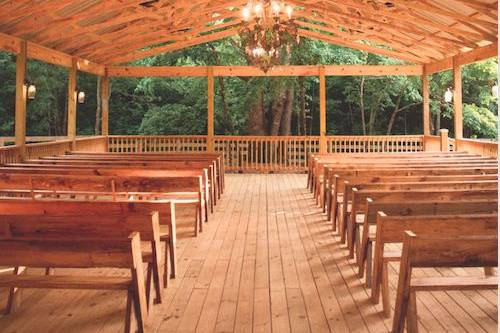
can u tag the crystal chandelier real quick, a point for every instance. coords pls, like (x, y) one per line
(268, 32)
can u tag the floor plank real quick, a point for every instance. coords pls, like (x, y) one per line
(267, 261)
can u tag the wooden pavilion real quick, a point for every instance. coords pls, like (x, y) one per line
(267, 260)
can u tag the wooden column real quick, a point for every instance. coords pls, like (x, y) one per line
(457, 99)
(72, 73)
(322, 111)
(445, 143)
(21, 88)
(210, 113)
(105, 105)
(426, 105)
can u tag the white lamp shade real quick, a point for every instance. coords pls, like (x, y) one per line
(31, 91)
(80, 97)
(494, 91)
(448, 96)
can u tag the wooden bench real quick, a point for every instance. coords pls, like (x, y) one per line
(406, 206)
(390, 230)
(94, 209)
(423, 251)
(356, 205)
(80, 253)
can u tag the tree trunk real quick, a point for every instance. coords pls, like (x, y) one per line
(227, 122)
(438, 121)
(98, 111)
(362, 103)
(286, 119)
(256, 121)
(277, 113)
(302, 116)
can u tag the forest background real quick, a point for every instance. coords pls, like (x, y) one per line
(253, 106)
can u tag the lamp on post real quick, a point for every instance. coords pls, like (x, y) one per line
(80, 96)
(494, 91)
(448, 95)
(30, 90)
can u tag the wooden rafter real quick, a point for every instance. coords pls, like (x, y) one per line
(112, 31)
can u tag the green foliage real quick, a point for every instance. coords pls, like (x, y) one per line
(179, 105)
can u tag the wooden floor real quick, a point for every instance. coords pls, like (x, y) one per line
(267, 261)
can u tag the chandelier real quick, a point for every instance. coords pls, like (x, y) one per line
(268, 32)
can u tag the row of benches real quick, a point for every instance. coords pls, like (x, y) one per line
(441, 207)
(96, 210)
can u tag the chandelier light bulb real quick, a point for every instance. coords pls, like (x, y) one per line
(275, 8)
(289, 11)
(245, 13)
(258, 9)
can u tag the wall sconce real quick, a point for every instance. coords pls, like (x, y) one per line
(80, 96)
(30, 90)
(494, 90)
(448, 96)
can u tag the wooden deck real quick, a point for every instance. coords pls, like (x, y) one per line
(267, 261)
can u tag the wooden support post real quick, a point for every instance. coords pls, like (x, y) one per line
(445, 144)
(105, 105)
(72, 74)
(426, 105)
(21, 88)
(457, 99)
(322, 111)
(105, 90)
(210, 113)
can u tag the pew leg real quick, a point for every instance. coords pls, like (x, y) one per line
(157, 282)
(149, 279)
(357, 245)
(14, 298)
(386, 301)
(128, 312)
(173, 257)
(369, 268)
(411, 317)
(140, 304)
(49, 271)
(166, 265)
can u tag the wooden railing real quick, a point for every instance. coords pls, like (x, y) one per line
(375, 144)
(266, 153)
(432, 143)
(9, 154)
(94, 143)
(37, 150)
(481, 147)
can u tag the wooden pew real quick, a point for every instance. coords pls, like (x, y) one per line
(90, 170)
(75, 253)
(102, 227)
(359, 205)
(216, 158)
(315, 159)
(342, 180)
(322, 185)
(373, 174)
(207, 167)
(178, 189)
(406, 206)
(423, 251)
(318, 164)
(390, 230)
(95, 209)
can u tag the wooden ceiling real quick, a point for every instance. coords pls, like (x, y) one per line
(118, 31)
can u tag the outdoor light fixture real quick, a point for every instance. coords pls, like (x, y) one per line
(80, 96)
(494, 90)
(30, 90)
(448, 96)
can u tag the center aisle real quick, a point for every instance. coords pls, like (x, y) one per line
(267, 261)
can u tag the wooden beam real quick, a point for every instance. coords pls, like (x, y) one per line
(13, 44)
(426, 105)
(105, 105)
(210, 113)
(322, 111)
(465, 58)
(20, 118)
(227, 71)
(457, 99)
(72, 77)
